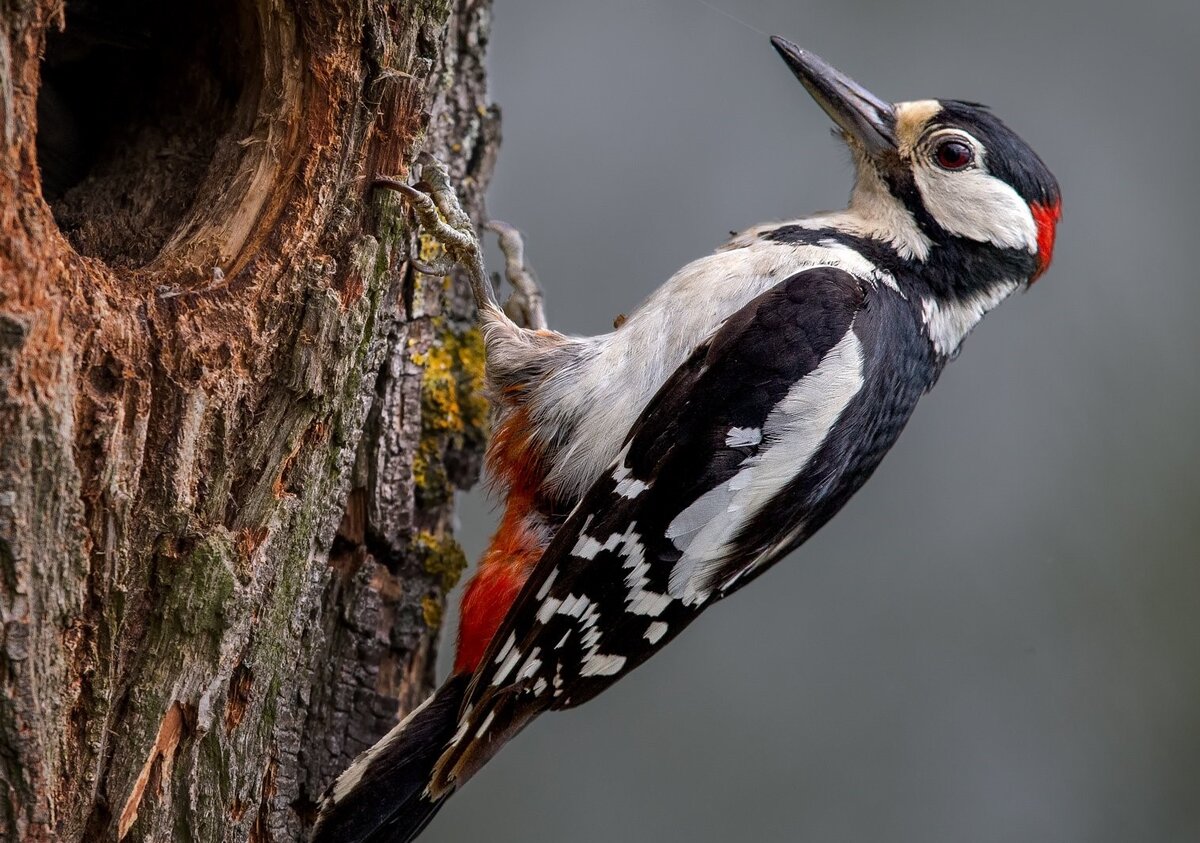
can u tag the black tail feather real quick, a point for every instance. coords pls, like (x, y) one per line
(382, 797)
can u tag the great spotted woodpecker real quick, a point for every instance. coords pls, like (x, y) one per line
(656, 469)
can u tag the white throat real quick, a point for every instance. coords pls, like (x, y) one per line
(885, 217)
(948, 321)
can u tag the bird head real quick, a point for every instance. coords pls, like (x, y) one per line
(950, 172)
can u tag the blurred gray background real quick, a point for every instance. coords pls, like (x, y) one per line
(999, 638)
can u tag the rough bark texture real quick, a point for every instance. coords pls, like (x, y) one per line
(231, 419)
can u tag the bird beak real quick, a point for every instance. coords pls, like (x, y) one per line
(860, 114)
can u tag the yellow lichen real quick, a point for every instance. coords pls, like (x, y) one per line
(430, 248)
(454, 411)
(442, 558)
(429, 475)
(431, 610)
(439, 388)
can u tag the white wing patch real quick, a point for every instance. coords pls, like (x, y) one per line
(514, 656)
(546, 583)
(638, 599)
(483, 727)
(655, 632)
(547, 609)
(743, 437)
(530, 668)
(794, 430)
(628, 486)
(509, 643)
(573, 606)
(594, 662)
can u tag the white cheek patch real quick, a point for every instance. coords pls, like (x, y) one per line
(976, 205)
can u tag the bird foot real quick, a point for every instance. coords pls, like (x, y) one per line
(444, 222)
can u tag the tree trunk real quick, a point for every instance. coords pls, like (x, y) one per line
(231, 418)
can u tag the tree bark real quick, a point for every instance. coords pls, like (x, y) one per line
(232, 419)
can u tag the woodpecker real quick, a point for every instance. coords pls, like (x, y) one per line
(656, 469)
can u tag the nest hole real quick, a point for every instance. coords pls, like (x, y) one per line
(138, 98)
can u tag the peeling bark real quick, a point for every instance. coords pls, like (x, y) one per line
(231, 419)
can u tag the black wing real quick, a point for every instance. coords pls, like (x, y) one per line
(663, 530)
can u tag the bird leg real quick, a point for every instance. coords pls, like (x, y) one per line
(526, 304)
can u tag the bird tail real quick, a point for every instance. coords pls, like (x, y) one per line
(383, 796)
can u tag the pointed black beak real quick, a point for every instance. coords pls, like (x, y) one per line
(859, 113)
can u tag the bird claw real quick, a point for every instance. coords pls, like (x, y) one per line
(442, 218)
(439, 268)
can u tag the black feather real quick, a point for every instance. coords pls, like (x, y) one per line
(389, 803)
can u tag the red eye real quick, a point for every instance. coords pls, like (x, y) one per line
(953, 155)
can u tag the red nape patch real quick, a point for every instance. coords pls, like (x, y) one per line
(1046, 218)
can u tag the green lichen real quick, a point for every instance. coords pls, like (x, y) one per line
(201, 592)
(390, 225)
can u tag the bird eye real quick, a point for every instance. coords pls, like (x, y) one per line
(953, 154)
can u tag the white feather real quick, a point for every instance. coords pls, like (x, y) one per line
(795, 428)
(353, 774)
(948, 322)
(655, 632)
(743, 437)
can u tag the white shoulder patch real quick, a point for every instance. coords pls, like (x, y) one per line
(795, 428)
(656, 339)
